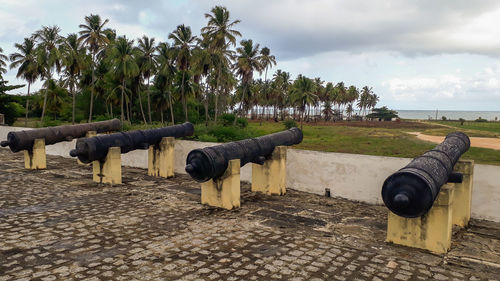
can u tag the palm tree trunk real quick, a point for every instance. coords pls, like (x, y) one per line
(171, 107)
(92, 89)
(27, 105)
(206, 104)
(184, 102)
(73, 107)
(45, 98)
(161, 114)
(149, 105)
(217, 94)
(111, 109)
(142, 110)
(122, 116)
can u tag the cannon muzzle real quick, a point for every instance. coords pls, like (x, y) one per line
(96, 148)
(24, 140)
(411, 191)
(211, 162)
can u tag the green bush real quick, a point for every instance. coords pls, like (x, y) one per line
(290, 123)
(103, 117)
(51, 123)
(207, 138)
(443, 118)
(481, 120)
(227, 119)
(242, 122)
(461, 121)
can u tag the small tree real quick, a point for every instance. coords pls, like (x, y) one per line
(383, 113)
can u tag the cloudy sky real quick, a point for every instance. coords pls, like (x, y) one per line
(416, 54)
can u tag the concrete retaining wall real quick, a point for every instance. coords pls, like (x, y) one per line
(351, 176)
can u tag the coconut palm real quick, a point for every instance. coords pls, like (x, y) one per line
(183, 43)
(248, 60)
(220, 35)
(302, 94)
(165, 73)
(147, 64)
(25, 59)
(94, 36)
(123, 65)
(49, 55)
(3, 63)
(74, 61)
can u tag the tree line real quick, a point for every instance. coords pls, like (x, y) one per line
(190, 77)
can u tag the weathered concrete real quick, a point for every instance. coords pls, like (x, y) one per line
(350, 176)
(56, 224)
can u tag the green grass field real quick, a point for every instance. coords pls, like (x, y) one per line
(370, 138)
(372, 141)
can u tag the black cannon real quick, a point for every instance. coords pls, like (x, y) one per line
(23, 140)
(211, 162)
(96, 148)
(411, 191)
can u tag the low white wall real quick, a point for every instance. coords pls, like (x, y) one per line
(351, 176)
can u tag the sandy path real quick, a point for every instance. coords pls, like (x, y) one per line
(491, 143)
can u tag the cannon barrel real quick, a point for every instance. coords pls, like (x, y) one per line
(96, 148)
(211, 162)
(24, 140)
(411, 191)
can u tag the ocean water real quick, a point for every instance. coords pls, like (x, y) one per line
(449, 114)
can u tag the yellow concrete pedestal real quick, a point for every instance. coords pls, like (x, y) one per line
(270, 178)
(88, 135)
(431, 231)
(161, 158)
(35, 159)
(463, 193)
(223, 192)
(109, 170)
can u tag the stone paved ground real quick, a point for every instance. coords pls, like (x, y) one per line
(57, 224)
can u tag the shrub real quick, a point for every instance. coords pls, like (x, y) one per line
(103, 117)
(481, 119)
(207, 138)
(461, 121)
(227, 119)
(242, 122)
(51, 123)
(290, 123)
(443, 118)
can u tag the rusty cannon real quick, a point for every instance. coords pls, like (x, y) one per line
(211, 162)
(24, 140)
(411, 191)
(96, 148)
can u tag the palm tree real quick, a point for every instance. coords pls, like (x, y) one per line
(248, 60)
(123, 64)
(49, 55)
(364, 99)
(166, 73)
(74, 62)
(303, 94)
(220, 34)
(147, 64)
(26, 61)
(3, 63)
(183, 43)
(94, 36)
(267, 61)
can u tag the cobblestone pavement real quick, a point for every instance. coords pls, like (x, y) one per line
(57, 224)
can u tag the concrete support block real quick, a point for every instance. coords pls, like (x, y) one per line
(36, 159)
(463, 193)
(109, 170)
(161, 158)
(88, 135)
(270, 178)
(223, 192)
(431, 231)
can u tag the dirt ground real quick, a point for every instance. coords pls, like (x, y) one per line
(491, 143)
